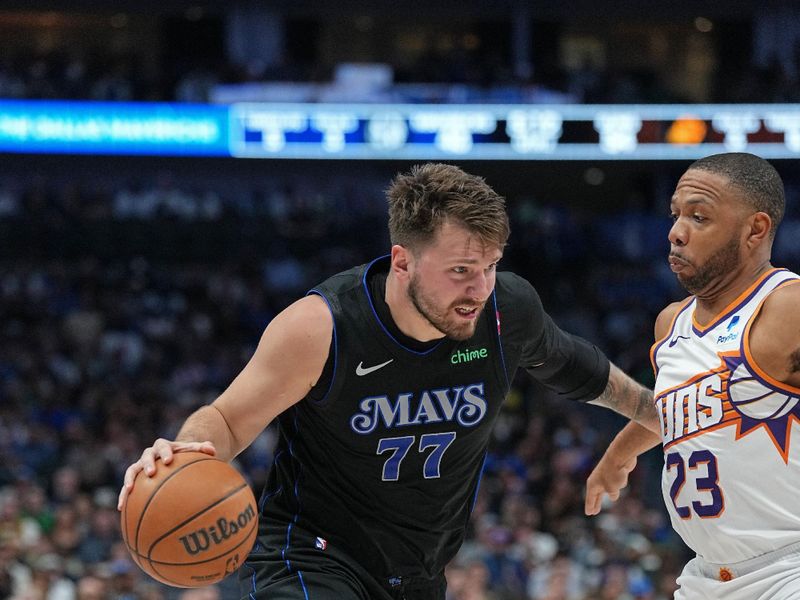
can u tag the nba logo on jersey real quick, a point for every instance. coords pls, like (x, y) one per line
(320, 543)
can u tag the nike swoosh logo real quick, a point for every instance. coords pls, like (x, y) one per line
(361, 370)
(674, 340)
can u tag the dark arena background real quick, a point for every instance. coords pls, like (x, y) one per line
(174, 173)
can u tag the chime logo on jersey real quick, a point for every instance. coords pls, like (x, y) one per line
(465, 356)
(464, 404)
(730, 394)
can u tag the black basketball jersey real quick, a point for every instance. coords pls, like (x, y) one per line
(385, 462)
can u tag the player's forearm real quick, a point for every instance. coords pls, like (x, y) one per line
(628, 398)
(630, 442)
(208, 424)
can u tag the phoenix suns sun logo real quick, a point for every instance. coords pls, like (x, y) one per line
(733, 393)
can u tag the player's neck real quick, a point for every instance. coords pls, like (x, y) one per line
(405, 315)
(720, 294)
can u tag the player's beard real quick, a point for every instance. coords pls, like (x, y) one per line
(722, 262)
(454, 329)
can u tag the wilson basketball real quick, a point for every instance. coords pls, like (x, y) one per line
(192, 523)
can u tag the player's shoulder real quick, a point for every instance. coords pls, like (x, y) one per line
(343, 281)
(511, 286)
(309, 315)
(519, 304)
(781, 303)
(667, 316)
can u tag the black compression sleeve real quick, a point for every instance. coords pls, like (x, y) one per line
(569, 365)
(566, 363)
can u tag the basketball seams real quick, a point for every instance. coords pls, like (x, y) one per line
(154, 564)
(155, 491)
(199, 562)
(194, 516)
(134, 553)
(213, 494)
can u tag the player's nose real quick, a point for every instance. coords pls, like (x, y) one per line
(481, 286)
(678, 234)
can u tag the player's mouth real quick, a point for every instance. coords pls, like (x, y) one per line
(677, 263)
(468, 312)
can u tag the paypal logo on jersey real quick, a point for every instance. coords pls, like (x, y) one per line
(464, 404)
(731, 335)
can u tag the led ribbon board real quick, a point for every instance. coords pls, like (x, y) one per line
(153, 129)
(401, 131)
(512, 132)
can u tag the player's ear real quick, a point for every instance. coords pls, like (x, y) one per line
(402, 258)
(760, 224)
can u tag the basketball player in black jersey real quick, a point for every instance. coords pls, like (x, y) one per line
(386, 381)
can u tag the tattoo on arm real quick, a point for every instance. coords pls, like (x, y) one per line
(625, 396)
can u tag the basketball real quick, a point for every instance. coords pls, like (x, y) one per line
(192, 523)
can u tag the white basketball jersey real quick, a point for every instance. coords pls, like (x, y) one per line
(731, 478)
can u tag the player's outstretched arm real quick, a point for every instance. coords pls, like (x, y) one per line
(625, 396)
(611, 473)
(287, 363)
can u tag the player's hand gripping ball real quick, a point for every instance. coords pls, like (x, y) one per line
(192, 523)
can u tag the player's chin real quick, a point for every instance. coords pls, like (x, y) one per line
(461, 331)
(689, 282)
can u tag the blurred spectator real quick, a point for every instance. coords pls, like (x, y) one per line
(91, 587)
(561, 579)
(48, 581)
(15, 575)
(206, 593)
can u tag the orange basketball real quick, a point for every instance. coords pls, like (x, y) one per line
(192, 523)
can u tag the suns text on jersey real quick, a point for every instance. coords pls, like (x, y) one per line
(693, 406)
(463, 404)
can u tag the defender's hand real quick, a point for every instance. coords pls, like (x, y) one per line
(606, 478)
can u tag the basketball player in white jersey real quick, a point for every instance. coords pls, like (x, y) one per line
(727, 365)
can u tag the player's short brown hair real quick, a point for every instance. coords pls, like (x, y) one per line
(429, 195)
